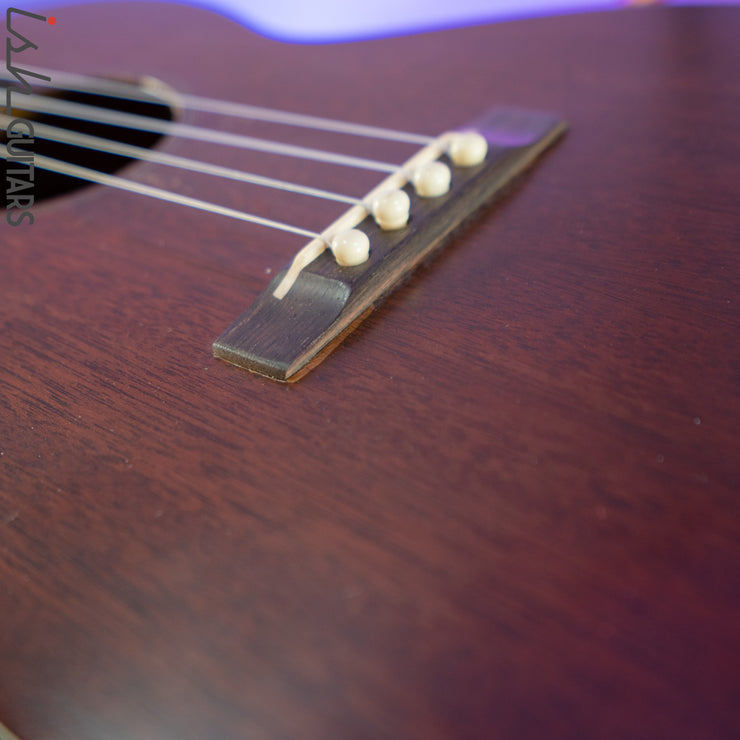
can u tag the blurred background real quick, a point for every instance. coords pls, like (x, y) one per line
(316, 21)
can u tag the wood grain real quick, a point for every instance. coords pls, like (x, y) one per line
(505, 507)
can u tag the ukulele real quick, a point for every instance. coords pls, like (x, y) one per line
(503, 507)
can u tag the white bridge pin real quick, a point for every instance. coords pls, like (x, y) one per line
(432, 179)
(467, 149)
(350, 247)
(391, 209)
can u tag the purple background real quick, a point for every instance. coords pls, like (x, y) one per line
(340, 20)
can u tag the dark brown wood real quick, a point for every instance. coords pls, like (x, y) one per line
(278, 337)
(505, 507)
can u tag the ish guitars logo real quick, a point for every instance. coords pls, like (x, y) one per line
(19, 172)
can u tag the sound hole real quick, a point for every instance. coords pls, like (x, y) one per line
(47, 184)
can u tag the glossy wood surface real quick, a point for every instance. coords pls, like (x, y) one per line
(506, 507)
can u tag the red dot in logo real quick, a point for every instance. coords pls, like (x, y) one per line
(51, 20)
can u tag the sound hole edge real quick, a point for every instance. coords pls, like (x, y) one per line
(47, 184)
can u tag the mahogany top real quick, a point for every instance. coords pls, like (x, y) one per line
(505, 507)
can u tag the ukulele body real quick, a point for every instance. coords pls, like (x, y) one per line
(504, 507)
